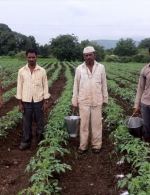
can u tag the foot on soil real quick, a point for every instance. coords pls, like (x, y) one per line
(81, 151)
(24, 146)
(96, 151)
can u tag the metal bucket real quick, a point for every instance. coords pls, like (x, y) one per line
(135, 126)
(72, 123)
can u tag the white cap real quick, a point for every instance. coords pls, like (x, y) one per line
(88, 49)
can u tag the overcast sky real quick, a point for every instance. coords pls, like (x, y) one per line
(86, 19)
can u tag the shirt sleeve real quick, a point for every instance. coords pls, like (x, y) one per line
(45, 86)
(104, 86)
(19, 86)
(140, 89)
(76, 88)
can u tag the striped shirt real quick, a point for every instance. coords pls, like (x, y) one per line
(32, 86)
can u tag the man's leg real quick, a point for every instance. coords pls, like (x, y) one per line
(39, 120)
(96, 127)
(84, 126)
(27, 125)
(145, 111)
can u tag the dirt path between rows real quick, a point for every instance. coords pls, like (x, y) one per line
(92, 174)
(13, 161)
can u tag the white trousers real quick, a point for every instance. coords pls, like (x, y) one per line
(90, 115)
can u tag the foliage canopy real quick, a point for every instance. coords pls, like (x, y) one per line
(65, 47)
(125, 47)
(145, 43)
(13, 41)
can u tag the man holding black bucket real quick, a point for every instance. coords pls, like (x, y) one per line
(90, 95)
(142, 100)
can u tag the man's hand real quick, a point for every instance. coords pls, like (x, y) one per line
(136, 111)
(21, 108)
(73, 107)
(104, 105)
(45, 106)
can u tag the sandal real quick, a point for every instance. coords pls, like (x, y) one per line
(96, 151)
(81, 151)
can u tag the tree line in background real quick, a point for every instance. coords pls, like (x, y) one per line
(67, 47)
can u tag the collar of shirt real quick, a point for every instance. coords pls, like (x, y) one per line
(36, 67)
(95, 63)
(94, 66)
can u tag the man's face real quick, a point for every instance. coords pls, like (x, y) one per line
(31, 58)
(89, 58)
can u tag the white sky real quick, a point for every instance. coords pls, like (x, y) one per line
(86, 19)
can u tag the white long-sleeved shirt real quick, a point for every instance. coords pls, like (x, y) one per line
(90, 88)
(32, 86)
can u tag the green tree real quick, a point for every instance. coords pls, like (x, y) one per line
(11, 54)
(32, 42)
(142, 56)
(44, 51)
(4, 27)
(23, 42)
(85, 43)
(13, 41)
(21, 55)
(145, 43)
(65, 47)
(125, 47)
(7, 42)
(109, 51)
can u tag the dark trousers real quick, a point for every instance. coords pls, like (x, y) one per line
(145, 111)
(33, 109)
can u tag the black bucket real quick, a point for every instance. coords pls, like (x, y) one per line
(72, 123)
(135, 126)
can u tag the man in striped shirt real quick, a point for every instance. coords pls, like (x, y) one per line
(32, 93)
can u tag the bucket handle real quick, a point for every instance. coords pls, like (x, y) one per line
(73, 112)
(130, 119)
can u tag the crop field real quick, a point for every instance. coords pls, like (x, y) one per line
(54, 167)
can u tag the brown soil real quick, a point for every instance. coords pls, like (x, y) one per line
(92, 174)
(13, 161)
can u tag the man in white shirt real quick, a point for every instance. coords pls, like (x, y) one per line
(90, 95)
(32, 93)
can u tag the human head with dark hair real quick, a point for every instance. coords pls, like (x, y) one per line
(31, 51)
(31, 55)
